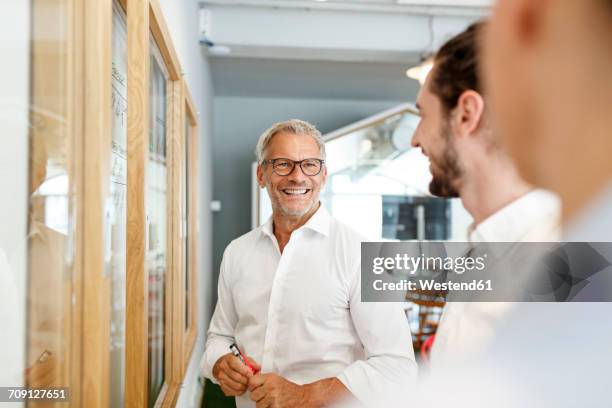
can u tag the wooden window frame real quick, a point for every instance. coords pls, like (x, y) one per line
(191, 119)
(95, 319)
(89, 124)
(75, 123)
(88, 127)
(144, 19)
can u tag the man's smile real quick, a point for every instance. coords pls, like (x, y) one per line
(295, 191)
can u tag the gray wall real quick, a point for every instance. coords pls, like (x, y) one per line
(238, 122)
(14, 121)
(183, 26)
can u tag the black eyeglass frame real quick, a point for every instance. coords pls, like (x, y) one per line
(294, 163)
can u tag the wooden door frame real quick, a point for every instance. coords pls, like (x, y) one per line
(144, 19)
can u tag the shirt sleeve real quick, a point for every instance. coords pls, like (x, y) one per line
(221, 330)
(389, 370)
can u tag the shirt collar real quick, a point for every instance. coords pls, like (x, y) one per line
(594, 222)
(319, 222)
(522, 217)
(267, 228)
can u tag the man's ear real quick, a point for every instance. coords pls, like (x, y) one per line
(324, 179)
(469, 112)
(260, 179)
(526, 18)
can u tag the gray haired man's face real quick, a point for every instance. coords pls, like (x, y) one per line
(296, 194)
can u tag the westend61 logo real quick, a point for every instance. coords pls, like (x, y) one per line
(411, 264)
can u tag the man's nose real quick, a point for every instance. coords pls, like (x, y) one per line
(297, 174)
(415, 139)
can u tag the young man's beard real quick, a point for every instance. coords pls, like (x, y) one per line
(444, 183)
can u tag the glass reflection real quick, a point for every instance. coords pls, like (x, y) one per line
(156, 213)
(373, 170)
(115, 223)
(51, 226)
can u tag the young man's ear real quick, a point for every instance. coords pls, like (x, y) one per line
(468, 113)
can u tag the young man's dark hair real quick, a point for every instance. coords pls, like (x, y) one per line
(456, 67)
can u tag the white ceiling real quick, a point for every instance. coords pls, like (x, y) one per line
(279, 50)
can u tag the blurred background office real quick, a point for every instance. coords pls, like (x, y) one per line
(341, 65)
(351, 67)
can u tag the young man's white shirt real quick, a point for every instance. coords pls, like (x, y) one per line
(467, 327)
(546, 355)
(299, 313)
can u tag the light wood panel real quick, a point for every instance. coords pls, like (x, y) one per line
(173, 354)
(174, 295)
(138, 142)
(191, 116)
(164, 42)
(137, 330)
(177, 118)
(97, 31)
(77, 168)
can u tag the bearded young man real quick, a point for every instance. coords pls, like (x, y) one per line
(468, 160)
(290, 297)
(547, 68)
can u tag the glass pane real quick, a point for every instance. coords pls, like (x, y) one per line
(373, 170)
(115, 225)
(156, 212)
(185, 238)
(51, 229)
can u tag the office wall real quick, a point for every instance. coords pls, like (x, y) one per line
(182, 20)
(14, 99)
(238, 122)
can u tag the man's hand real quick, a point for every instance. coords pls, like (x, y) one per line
(273, 391)
(232, 374)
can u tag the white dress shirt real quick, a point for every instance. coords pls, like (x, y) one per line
(545, 355)
(467, 327)
(299, 313)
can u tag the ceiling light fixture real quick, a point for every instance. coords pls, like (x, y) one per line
(215, 49)
(419, 72)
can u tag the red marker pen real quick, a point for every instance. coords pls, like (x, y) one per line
(236, 351)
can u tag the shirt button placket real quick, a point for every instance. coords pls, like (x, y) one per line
(273, 312)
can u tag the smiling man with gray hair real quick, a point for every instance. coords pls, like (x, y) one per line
(290, 297)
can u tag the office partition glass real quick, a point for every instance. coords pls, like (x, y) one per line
(379, 184)
(54, 164)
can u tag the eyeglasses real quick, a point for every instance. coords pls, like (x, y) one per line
(284, 167)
